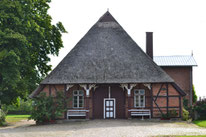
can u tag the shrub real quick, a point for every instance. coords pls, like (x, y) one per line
(185, 114)
(173, 113)
(194, 95)
(2, 118)
(47, 108)
(21, 107)
(185, 103)
(200, 108)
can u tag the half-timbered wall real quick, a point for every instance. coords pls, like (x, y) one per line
(159, 98)
(183, 77)
(166, 99)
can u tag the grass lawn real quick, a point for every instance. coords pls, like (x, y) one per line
(16, 118)
(193, 136)
(184, 136)
(201, 123)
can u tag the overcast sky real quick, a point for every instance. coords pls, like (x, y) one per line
(179, 26)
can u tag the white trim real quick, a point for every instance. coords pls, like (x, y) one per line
(114, 106)
(87, 92)
(126, 86)
(68, 87)
(148, 86)
(90, 86)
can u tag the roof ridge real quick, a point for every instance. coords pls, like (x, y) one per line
(107, 17)
(174, 56)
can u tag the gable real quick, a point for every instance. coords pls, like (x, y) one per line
(106, 54)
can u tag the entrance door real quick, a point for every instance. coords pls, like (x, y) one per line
(109, 108)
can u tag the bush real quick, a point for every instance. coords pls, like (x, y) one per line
(200, 108)
(47, 108)
(173, 113)
(185, 103)
(2, 118)
(194, 95)
(185, 114)
(22, 107)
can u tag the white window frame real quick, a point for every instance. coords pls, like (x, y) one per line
(78, 95)
(138, 95)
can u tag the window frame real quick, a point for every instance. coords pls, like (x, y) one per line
(78, 95)
(138, 95)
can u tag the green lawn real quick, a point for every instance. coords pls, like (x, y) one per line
(16, 118)
(201, 123)
(184, 136)
(193, 136)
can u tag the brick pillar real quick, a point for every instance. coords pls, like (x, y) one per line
(129, 106)
(126, 106)
(87, 106)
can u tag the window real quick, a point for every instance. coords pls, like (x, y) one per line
(139, 98)
(78, 99)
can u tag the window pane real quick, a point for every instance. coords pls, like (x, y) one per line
(75, 98)
(80, 101)
(80, 104)
(136, 92)
(81, 92)
(141, 92)
(75, 92)
(142, 101)
(111, 114)
(136, 101)
(75, 105)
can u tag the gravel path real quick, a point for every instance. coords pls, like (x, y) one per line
(102, 128)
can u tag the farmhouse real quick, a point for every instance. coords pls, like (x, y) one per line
(107, 76)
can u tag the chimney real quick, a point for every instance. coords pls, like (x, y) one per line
(149, 44)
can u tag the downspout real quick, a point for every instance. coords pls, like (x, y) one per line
(191, 93)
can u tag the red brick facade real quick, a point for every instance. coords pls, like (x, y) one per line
(165, 98)
(182, 77)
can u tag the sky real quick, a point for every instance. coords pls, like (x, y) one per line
(178, 26)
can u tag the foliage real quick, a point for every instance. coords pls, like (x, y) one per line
(165, 116)
(16, 118)
(47, 108)
(173, 113)
(185, 103)
(2, 118)
(20, 107)
(201, 123)
(200, 108)
(27, 38)
(194, 94)
(185, 114)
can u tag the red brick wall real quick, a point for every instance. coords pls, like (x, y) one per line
(173, 99)
(181, 75)
(161, 101)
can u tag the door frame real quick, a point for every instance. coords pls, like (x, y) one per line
(114, 106)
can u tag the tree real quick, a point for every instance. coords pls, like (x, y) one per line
(27, 37)
(194, 94)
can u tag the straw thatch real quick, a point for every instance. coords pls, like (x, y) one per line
(106, 54)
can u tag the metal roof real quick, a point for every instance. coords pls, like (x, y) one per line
(186, 60)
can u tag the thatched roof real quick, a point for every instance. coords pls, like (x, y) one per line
(106, 54)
